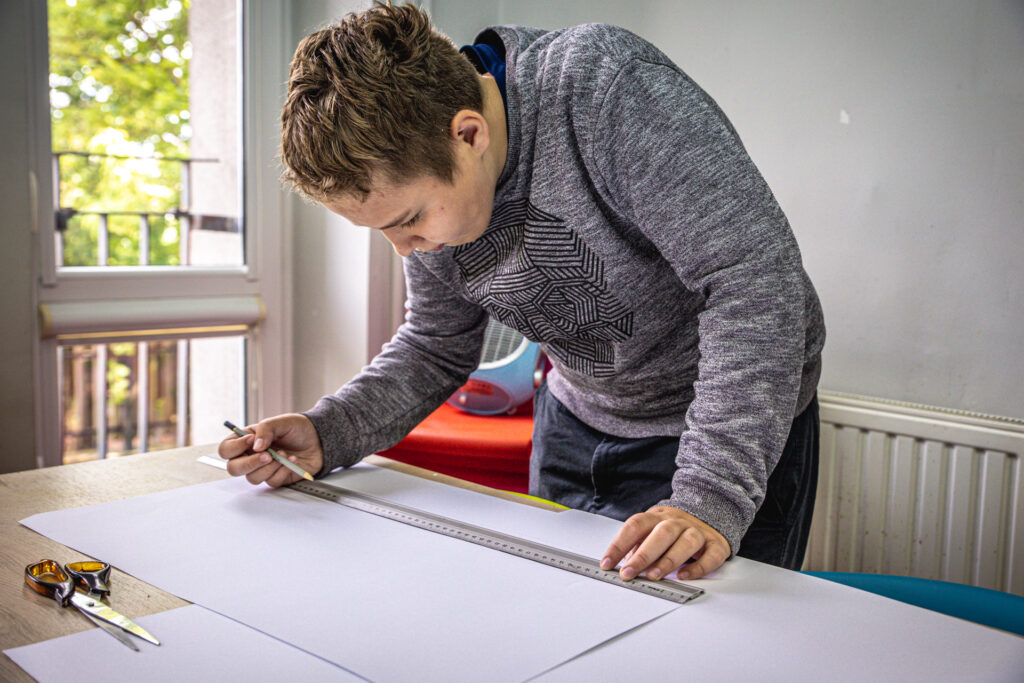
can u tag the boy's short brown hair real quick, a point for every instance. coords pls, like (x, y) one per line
(370, 98)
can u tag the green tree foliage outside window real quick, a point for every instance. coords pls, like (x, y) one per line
(119, 86)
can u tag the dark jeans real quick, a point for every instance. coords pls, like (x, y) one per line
(580, 467)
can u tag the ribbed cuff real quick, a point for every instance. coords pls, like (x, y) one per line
(716, 508)
(338, 447)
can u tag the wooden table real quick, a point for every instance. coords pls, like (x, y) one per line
(27, 617)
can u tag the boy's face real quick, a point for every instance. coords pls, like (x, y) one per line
(427, 214)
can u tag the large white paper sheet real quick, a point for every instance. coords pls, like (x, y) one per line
(580, 532)
(196, 645)
(762, 623)
(387, 601)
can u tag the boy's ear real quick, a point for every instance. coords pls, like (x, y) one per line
(470, 127)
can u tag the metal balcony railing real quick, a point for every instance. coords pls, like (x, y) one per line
(183, 212)
(132, 424)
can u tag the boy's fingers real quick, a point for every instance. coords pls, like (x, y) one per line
(264, 473)
(263, 435)
(685, 545)
(635, 561)
(671, 542)
(281, 477)
(649, 551)
(662, 539)
(258, 475)
(234, 446)
(246, 464)
(714, 556)
(240, 465)
(634, 530)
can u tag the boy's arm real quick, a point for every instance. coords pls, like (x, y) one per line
(430, 356)
(672, 164)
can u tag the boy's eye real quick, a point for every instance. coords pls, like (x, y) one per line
(411, 222)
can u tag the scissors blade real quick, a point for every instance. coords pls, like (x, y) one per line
(111, 629)
(102, 611)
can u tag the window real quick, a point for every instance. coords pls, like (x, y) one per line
(161, 316)
(146, 131)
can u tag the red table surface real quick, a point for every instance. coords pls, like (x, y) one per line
(492, 450)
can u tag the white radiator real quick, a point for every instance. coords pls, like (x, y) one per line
(919, 491)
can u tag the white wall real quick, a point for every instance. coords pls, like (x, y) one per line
(893, 137)
(342, 273)
(17, 255)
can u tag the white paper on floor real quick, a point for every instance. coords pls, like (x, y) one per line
(195, 645)
(382, 599)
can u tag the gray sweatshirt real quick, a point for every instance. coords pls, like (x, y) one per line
(634, 239)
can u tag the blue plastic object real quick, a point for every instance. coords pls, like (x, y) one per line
(981, 605)
(506, 377)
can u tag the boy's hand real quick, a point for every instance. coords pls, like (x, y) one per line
(291, 435)
(662, 539)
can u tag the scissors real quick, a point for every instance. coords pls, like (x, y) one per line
(48, 578)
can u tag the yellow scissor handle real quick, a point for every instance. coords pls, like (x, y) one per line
(90, 575)
(48, 578)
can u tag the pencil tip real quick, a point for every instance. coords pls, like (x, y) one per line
(307, 475)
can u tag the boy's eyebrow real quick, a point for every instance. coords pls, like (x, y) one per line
(398, 221)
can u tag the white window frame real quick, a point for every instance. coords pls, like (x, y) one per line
(267, 233)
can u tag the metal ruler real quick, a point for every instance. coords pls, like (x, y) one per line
(538, 552)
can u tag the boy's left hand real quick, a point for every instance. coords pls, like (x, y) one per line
(662, 539)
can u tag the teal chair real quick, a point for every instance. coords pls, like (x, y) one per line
(983, 606)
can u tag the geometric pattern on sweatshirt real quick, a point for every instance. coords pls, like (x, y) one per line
(535, 275)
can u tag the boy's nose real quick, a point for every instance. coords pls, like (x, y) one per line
(403, 246)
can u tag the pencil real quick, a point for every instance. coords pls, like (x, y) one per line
(274, 454)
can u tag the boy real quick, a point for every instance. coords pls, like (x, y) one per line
(578, 187)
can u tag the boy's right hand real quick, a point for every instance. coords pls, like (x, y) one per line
(292, 435)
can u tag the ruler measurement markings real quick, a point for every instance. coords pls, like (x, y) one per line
(538, 552)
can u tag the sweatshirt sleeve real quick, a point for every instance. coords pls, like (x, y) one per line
(672, 164)
(430, 356)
